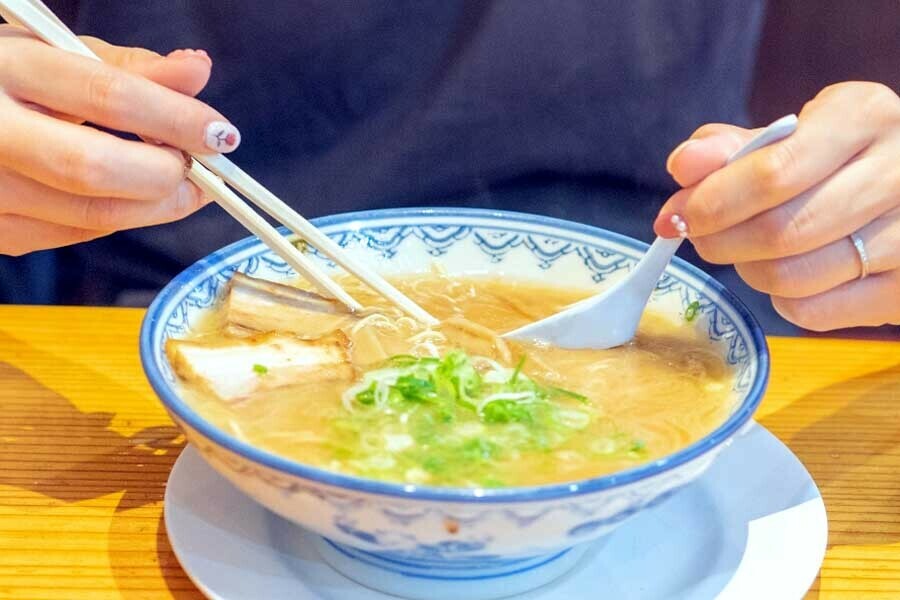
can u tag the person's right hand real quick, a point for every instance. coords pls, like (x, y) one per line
(63, 182)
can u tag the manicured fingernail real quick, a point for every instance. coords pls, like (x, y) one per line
(222, 136)
(671, 226)
(675, 153)
(190, 53)
(680, 225)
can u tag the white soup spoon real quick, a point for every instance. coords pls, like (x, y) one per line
(611, 317)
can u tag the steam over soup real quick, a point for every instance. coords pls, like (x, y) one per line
(377, 395)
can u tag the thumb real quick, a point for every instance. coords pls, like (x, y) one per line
(185, 71)
(706, 151)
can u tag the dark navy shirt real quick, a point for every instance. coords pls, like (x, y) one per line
(559, 107)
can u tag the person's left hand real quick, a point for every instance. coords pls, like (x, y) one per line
(783, 215)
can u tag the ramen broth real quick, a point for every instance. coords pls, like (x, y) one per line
(454, 405)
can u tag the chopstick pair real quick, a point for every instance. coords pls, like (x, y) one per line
(210, 172)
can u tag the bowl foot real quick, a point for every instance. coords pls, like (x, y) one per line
(447, 580)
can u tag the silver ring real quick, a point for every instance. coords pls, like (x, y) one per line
(863, 255)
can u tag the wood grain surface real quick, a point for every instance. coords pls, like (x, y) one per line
(85, 450)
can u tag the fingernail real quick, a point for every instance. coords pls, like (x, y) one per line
(680, 225)
(222, 136)
(671, 226)
(675, 152)
(190, 53)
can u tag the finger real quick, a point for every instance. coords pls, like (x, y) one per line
(14, 32)
(866, 302)
(50, 113)
(827, 267)
(840, 123)
(93, 213)
(706, 151)
(20, 235)
(115, 98)
(869, 186)
(185, 71)
(85, 161)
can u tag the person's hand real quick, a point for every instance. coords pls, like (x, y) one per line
(784, 214)
(63, 182)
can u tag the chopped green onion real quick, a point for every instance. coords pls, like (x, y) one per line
(367, 396)
(260, 369)
(692, 310)
(506, 411)
(573, 418)
(453, 380)
(415, 389)
(558, 391)
(450, 420)
(518, 369)
(402, 360)
(479, 448)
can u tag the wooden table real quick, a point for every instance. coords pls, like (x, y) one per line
(85, 450)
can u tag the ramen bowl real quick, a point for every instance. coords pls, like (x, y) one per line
(438, 543)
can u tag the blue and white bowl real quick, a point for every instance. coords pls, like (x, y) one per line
(441, 543)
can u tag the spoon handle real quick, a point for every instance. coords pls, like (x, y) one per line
(647, 272)
(588, 324)
(653, 264)
(662, 250)
(778, 130)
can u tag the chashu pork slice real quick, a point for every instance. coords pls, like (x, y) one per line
(235, 368)
(258, 305)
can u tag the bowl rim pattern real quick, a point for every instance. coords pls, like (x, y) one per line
(153, 322)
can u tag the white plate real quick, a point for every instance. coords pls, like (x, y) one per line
(753, 526)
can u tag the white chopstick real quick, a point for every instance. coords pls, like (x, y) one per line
(35, 16)
(277, 208)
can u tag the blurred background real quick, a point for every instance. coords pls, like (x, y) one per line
(808, 44)
(803, 46)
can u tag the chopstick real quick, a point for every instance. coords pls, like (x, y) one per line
(208, 173)
(276, 207)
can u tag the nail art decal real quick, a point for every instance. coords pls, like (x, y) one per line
(222, 137)
(679, 224)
